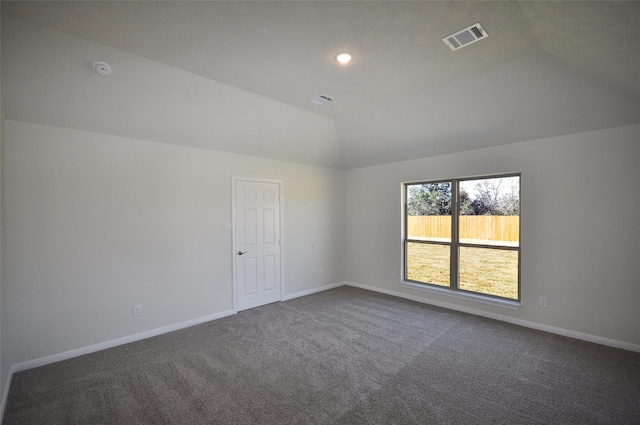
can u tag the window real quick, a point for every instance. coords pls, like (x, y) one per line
(464, 235)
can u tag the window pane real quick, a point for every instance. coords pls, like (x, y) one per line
(490, 211)
(429, 211)
(489, 271)
(428, 263)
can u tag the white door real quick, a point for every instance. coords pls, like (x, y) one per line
(257, 247)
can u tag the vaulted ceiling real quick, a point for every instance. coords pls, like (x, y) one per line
(238, 76)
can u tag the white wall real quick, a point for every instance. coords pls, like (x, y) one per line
(97, 223)
(579, 228)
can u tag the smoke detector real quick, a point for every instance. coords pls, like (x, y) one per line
(465, 37)
(322, 99)
(102, 69)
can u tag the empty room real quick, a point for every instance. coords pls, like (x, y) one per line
(320, 212)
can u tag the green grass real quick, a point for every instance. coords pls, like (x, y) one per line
(482, 270)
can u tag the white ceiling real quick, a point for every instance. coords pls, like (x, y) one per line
(238, 76)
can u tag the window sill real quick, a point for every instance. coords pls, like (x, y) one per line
(512, 305)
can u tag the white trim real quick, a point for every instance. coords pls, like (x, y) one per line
(497, 302)
(234, 295)
(527, 324)
(133, 338)
(120, 341)
(313, 291)
(30, 364)
(280, 184)
(5, 395)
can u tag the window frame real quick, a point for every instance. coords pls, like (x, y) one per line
(455, 244)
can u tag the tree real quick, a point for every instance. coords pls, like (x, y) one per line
(429, 199)
(472, 207)
(510, 200)
(497, 196)
(492, 196)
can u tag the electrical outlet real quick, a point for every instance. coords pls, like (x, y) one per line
(320, 272)
(543, 302)
(137, 310)
(393, 275)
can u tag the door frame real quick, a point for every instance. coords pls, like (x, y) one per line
(280, 184)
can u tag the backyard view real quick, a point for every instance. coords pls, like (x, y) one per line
(486, 271)
(488, 229)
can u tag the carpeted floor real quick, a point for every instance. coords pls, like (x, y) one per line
(345, 356)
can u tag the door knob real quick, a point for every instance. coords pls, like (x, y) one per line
(242, 252)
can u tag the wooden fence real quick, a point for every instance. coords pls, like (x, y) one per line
(485, 227)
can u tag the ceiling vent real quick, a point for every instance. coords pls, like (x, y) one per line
(322, 99)
(465, 37)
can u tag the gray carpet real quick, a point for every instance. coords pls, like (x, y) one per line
(345, 356)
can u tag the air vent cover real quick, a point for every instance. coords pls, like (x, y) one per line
(465, 37)
(322, 99)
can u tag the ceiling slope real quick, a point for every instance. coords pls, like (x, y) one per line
(48, 79)
(524, 99)
(238, 76)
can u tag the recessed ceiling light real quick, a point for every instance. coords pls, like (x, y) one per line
(344, 57)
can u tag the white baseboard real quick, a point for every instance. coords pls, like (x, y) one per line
(527, 324)
(98, 347)
(114, 343)
(312, 291)
(155, 332)
(125, 340)
(5, 394)
(148, 334)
